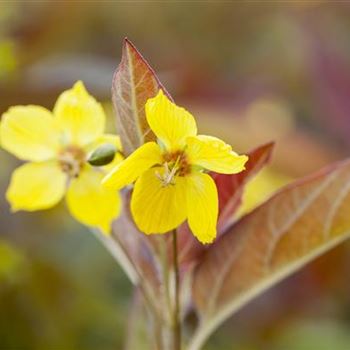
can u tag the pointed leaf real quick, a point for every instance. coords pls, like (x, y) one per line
(134, 82)
(299, 223)
(230, 187)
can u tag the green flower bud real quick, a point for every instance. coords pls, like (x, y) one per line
(102, 155)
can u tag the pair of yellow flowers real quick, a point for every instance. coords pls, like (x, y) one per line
(170, 180)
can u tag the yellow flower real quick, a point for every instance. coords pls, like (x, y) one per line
(57, 145)
(171, 183)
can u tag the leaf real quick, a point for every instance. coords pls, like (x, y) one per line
(134, 82)
(230, 191)
(138, 249)
(231, 187)
(299, 223)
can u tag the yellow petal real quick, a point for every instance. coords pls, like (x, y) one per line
(132, 167)
(90, 203)
(170, 123)
(112, 139)
(214, 154)
(202, 206)
(157, 208)
(79, 115)
(29, 133)
(36, 186)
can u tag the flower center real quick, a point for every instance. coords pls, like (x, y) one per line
(72, 160)
(175, 164)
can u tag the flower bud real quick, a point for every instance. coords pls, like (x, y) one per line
(102, 155)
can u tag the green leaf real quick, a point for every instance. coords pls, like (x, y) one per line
(295, 226)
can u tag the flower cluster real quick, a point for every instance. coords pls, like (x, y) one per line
(171, 177)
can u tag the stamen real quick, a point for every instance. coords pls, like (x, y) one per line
(175, 164)
(72, 160)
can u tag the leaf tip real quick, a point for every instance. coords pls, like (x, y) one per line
(127, 44)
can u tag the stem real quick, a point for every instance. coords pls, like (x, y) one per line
(198, 339)
(164, 260)
(118, 251)
(158, 335)
(119, 254)
(177, 325)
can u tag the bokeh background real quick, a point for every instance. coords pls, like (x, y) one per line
(251, 72)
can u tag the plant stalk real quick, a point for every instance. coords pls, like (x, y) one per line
(176, 313)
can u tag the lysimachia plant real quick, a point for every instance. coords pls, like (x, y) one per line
(162, 199)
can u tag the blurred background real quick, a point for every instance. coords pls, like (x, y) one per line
(251, 72)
